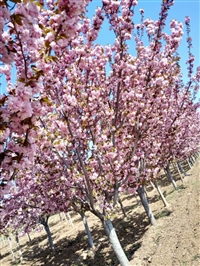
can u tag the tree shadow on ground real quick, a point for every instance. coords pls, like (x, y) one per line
(65, 252)
(74, 251)
(129, 232)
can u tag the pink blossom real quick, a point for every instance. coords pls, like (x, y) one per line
(187, 19)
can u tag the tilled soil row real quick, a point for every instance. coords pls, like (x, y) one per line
(176, 239)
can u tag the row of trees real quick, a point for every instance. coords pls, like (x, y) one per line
(73, 136)
(16, 227)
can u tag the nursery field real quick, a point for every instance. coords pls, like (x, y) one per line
(99, 104)
(174, 241)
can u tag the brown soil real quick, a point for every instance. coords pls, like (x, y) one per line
(174, 241)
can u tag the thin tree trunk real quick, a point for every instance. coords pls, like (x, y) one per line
(170, 177)
(193, 159)
(190, 160)
(46, 227)
(188, 163)
(10, 246)
(195, 155)
(18, 247)
(161, 194)
(29, 238)
(44, 221)
(181, 168)
(68, 218)
(114, 241)
(152, 184)
(90, 240)
(122, 206)
(60, 216)
(145, 204)
(174, 167)
(179, 172)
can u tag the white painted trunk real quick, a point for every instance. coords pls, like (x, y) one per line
(114, 241)
(60, 217)
(68, 218)
(193, 158)
(170, 177)
(10, 246)
(179, 172)
(143, 198)
(19, 248)
(161, 194)
(152, 184)
(46, 227)
(188, 163)
(90, 240)
(181, 168)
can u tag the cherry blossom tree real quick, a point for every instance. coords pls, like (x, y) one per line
(27, 28)
(99, 133)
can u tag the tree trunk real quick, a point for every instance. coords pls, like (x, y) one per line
(192, 159)
(18, 246)
(10, 246)
(170, 177)
(60, 216)
(114, 241)
(174, 166)
(152, 184)
(188, 163)
(181, 168)
(145, 204)
(161, 194)
(29, 238)
(122, 206)
(90, 240)
(46, 227)
(44, 221)
(68, 218)
(195, 155)
(179, 172)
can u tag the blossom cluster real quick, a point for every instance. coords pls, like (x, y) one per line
(74, 135)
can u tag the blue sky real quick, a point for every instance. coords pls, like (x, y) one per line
(152, 8)
(179, 11)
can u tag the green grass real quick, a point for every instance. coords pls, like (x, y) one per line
(196, 257)
(163, 214)
(181, 187)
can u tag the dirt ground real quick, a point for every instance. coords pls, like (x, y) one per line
(174, 241)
